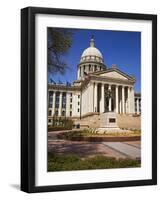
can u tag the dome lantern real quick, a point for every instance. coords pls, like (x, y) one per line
(92, 41)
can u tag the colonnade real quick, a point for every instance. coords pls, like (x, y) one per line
(87, 68)
(122, 103)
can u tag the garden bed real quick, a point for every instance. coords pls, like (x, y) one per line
(102, 139)
(85, 135)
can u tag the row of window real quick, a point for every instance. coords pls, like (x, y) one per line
(57, 101)
(57, 98)
(63, 113)
(91, 58)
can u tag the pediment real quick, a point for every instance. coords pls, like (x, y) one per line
(114, 74)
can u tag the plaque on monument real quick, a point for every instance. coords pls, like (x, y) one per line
(108, 120)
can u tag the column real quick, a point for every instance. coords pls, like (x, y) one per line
(78, 72)
(128, 101)
(93, 67)
(53, 110)
(109, 88)
(95, 98)
(81, 71)
(102, 98)
(132, 100)
(91, 97)
(60, 104)
(116, 98)
(68, 104)
(137, 105)
(123, 99)
(120, 101)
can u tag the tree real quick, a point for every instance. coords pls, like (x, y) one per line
(59, 42)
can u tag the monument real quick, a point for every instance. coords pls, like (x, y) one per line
(108, 119)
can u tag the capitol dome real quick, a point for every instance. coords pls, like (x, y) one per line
(91, 53)
(91, 61)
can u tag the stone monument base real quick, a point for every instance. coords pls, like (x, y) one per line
(108, 120)
(108, 123)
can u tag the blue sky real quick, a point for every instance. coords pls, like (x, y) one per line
(117, 47)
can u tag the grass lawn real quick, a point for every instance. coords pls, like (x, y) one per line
(74, 162)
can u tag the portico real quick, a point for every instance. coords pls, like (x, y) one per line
(121, 100)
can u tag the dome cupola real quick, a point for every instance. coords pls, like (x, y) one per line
(91, 61)
(91, 53)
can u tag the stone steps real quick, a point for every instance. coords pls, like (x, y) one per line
(129, 122)
(123, 121)
(92, 121)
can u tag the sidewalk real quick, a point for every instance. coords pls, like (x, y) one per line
(89, 149)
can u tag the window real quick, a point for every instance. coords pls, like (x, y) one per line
(78, 103)
(50, 105)
(78, 109)
(70, 100)
(56, 113)
(70, 106)
(70, 94)
(70, 113)
(57, 99)
(78, 96)
(63, 113)
(50, 113)
(51, 99)
(49, 120)
(64, 100)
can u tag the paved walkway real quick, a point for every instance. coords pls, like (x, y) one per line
(124, 148)
(89, 149)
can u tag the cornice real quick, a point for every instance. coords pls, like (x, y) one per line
(63, 87)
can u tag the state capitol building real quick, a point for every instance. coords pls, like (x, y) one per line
(98, 89)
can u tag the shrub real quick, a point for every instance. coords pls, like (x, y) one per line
(60, 124)
(57, 128)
